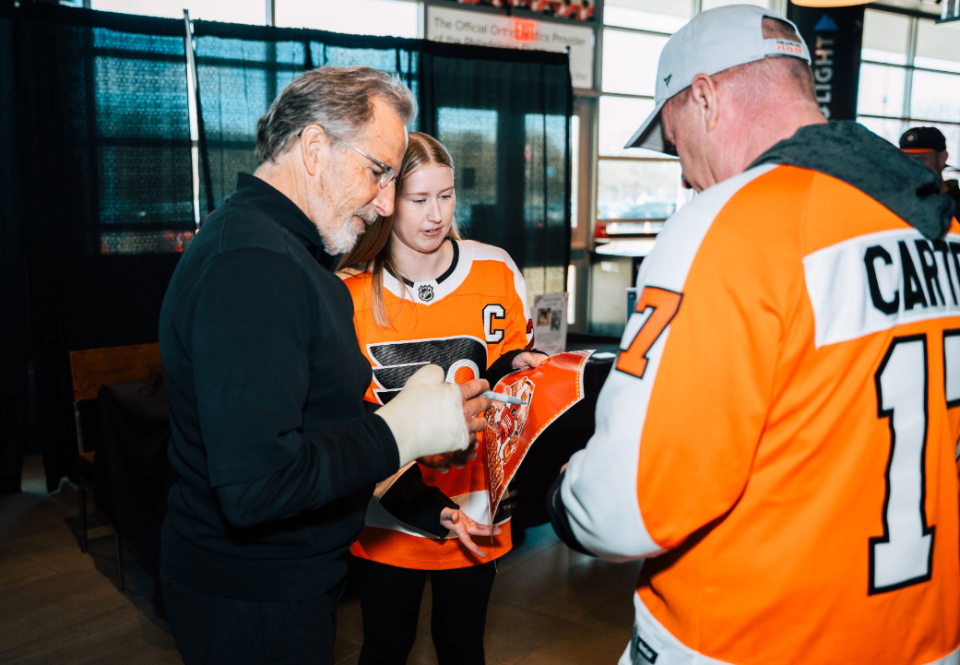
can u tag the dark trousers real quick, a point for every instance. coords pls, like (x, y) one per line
(390, 604)
(213, 629)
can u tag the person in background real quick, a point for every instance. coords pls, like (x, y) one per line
(276, 456)
(422, 294)
(929, 146)
(778, 436)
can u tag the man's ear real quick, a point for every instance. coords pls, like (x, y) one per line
(313, 142)
(703, 91)
(944, 156)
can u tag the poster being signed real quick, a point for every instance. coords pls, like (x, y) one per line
(548, 390)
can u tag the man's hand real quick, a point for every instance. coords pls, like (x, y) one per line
(430, 416)
(474, 407)
(529, 360)
(464, 527)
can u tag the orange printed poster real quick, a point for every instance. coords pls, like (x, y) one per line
(548, 390)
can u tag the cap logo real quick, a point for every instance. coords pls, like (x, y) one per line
(789, 47)
(667, 79)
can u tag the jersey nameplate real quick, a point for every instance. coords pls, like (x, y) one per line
(878, 281)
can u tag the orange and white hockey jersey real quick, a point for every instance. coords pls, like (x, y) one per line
(778, 435)
(463, 321)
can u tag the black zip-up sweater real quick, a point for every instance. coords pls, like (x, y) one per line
(265, 377)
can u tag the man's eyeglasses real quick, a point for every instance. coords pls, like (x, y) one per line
(387, 173)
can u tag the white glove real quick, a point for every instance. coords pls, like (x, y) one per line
(426, 417)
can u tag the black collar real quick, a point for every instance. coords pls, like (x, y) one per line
(448, 272)
(258, 193)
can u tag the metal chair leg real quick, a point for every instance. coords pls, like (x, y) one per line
(116, 537)
(82, 491)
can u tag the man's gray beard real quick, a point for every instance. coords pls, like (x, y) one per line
(344, 238)
(342, 241)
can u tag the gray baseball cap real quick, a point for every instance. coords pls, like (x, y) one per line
(713, 41)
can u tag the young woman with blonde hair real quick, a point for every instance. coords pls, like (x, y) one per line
(422, 295)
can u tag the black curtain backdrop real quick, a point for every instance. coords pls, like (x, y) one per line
(13, 354)
(503, 114)
(106, 190)
(96, 182)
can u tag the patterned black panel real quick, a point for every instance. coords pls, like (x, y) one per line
(400, 360)
(443, 352)
(396, 377)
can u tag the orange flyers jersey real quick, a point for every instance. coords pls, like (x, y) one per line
(778, 435)
(463, 321)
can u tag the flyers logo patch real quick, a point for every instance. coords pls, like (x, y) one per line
(462, 358)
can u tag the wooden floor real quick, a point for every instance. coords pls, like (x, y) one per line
(549, 605)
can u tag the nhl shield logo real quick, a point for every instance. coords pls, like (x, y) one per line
(425, 292)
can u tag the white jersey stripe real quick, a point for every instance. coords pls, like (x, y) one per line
(469, 251)
(600, 489)
(878, 281)
(651, 642)
(475, 504)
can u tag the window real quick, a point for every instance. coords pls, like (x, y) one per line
(655, 15)
(630, 61)
(937, 46)
(396, 18)
(471, 135)
(637, 188)
(132, 136)
(885, 37)
(574, 169)
(230, 11)
(909, 76)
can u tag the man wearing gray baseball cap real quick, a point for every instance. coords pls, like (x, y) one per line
(778, 436)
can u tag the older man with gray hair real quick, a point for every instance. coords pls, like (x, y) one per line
(277, 459)
(778, 436)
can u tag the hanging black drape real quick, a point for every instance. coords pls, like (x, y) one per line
(13, 355)
(96, 182)
(503, 114)
(106, 195)
(505, 119)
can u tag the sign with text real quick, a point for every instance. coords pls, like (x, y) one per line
(457, 26)
(572, 10)
(834, 36)
(550, 322)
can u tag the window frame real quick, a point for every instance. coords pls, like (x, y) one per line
(906, 117)
(655, 222)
